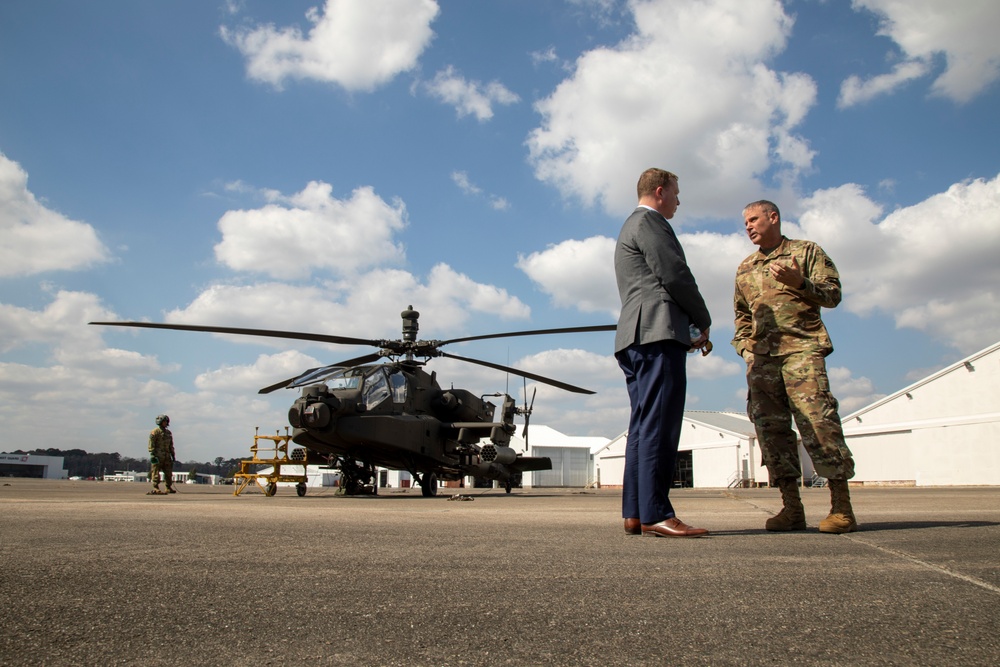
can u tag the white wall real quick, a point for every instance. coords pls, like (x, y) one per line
(964, 454)
(714, 466)
(52, 466)
(610, 463)
(943, 430)
(609, 468)
(717, 456)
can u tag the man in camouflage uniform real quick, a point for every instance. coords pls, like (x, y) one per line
(779, 333)
(161, 455)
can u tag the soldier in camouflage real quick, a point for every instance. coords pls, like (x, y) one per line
(780, 289)
(161, 455)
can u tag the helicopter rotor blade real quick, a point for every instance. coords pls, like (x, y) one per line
(387, 347)
(295, 335)
(536, 332)
(524, 374)
(358, 361)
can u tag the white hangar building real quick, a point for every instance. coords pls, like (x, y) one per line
(717, 449)
(941, 431)
(572, 457)
(32, 465)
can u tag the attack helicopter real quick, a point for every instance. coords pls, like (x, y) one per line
(357, 415)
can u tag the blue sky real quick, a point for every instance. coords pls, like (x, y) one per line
(321, 166)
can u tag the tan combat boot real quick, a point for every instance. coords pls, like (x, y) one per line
(792, 515)
(841, 519)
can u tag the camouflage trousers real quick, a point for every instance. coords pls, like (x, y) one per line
(166, 466)
(796, 385)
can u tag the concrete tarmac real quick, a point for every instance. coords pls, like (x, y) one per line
(99, 573)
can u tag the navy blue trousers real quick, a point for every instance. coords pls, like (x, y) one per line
(656, 379)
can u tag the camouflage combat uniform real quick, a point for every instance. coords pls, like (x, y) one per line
(161, 446)
(780, 333)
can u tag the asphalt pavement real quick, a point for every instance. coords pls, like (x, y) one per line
(100, 573)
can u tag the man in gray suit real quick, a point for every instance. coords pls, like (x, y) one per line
(660, 304)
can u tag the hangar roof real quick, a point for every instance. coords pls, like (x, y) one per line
(967, 364)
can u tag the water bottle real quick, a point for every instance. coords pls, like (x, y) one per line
(695, 333)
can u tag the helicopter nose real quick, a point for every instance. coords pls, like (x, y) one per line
(312, 413)
(316, 415)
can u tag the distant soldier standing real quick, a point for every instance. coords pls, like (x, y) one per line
(161, 455)
(779, 333)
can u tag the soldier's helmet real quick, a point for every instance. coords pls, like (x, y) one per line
(162, 420)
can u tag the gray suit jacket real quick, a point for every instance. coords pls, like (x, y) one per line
(660, 297)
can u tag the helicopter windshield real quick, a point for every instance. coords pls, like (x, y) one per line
(376, 389)
(335, 377)
(344, 382)
(398, 382)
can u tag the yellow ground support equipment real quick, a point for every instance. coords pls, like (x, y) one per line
(276, 447)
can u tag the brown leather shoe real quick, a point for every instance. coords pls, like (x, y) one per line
(672, 528)
(633, 527)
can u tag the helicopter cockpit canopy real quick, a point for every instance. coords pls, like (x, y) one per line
(334, 377)
(376, 383)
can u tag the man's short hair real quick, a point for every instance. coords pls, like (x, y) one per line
(654, 178)
(765, 205)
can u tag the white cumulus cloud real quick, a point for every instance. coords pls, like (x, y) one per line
(357, 44)
(576, 274)
(931, 266)
(469, 97)
(310, 230)
(855, 90)
(689, 91)
(461, 179)
(465, 184)
(36, 238)
(247, 379)
(964, 33)
(56, 323)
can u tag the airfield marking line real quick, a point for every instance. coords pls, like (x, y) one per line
(893, 552)
(746, 501)
(931, 566)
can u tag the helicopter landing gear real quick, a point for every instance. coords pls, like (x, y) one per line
(507, 486)
(429, 485)
(357, 478)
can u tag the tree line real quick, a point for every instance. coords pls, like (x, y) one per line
(79, 463)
